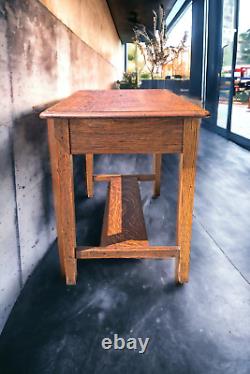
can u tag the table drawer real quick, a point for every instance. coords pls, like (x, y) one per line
(149, 135)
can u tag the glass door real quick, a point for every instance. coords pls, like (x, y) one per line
(240, 120)
(226, 58)
(227, 84)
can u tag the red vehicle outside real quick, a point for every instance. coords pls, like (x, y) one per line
(242, 78)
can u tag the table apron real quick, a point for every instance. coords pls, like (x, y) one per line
(132, 135)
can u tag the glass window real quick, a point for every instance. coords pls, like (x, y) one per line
(241, 100)
(227, 42)
(183, 27)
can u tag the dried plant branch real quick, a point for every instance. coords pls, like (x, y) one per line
(154, 49)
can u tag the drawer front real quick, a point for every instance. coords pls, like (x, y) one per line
(156, 135)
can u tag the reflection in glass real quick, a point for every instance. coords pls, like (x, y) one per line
(181, 67)
(241, 101)
(226, 62)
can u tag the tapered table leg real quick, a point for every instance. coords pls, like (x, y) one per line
(63, 181)
(187, 170)
(157, 158)
(53, 164)
(89, 174)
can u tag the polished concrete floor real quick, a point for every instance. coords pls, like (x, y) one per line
(201, 327)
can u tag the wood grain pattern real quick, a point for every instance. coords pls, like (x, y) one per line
(135, 250)
(124, 104)
(114, 208)
(126, 136)
(139, 177)
(65, 200)
(53, 149)
(129, 213)
(157, 158)
(187, 170)
(89, 174)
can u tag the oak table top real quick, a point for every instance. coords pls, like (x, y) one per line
(124, 104)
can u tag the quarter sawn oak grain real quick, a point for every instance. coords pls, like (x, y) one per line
(124, 104)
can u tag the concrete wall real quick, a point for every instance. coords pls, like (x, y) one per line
(41, 60)
(90, 20)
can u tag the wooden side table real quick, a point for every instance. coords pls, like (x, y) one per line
(126, 121)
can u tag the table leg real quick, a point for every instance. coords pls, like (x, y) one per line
(64, 195)
(186, 197)
(89, 174)
(53, 164)
(157, 158)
